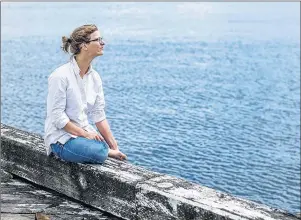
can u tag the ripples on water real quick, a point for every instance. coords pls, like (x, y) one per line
(222, 113)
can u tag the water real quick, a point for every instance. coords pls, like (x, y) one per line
(205, 91)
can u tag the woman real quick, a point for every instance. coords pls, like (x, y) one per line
(75, 94)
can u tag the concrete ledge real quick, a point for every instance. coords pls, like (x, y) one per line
(5, 176)
(123, 189)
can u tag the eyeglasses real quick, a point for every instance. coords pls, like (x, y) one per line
(100, 40)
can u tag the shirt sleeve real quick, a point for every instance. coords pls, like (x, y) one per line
(97, 113)
(56, 101)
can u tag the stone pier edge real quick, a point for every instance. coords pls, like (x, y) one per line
(123, 189)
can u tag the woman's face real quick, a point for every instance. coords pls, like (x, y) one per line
(96, 45)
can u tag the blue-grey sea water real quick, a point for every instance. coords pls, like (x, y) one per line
(209, 92)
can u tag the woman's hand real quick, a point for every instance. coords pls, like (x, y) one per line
(94, 136)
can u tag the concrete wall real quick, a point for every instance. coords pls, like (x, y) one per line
(122, 189)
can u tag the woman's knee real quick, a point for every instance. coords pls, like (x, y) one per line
(99, 152)
(85, 151)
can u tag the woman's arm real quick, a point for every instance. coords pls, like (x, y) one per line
(104, 129)
(98, 116)
(75, 130)
(56, 100)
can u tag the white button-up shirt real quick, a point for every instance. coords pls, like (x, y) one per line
(72, 98)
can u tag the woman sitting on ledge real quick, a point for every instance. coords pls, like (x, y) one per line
(75, 93)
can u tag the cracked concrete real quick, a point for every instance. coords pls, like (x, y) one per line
(122, 189)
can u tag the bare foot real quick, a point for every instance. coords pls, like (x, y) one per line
(117, 154)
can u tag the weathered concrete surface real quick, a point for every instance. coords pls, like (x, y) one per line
(23, 200)
(5, 176)
(123, 189)
(110, 187)
(5, 216)
(175, 198)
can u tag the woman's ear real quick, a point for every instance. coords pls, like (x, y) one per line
(85, 47)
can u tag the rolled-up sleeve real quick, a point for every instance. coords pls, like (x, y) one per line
(97, 113)
(56, 101)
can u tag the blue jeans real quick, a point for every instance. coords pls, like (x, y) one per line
(81, 150)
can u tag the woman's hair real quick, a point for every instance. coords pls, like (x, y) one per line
(79, 35)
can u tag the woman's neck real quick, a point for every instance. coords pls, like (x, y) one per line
(83, 64)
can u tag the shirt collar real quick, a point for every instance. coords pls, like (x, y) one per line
(76, 67)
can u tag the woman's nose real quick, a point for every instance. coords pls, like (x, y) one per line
(102, 42)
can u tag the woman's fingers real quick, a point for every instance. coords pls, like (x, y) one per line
(101, 138)
(98, 137)
(95, 136)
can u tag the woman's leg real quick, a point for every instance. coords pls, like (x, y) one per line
(82, 150)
